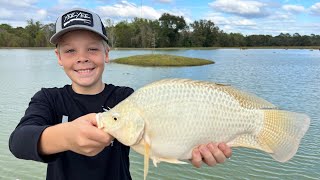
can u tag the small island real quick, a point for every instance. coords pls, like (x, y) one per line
(162, 60)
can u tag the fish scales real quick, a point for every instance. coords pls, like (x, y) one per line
(185, 113)
(166, 119)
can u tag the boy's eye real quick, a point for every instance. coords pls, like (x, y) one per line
(93, 49)
(69, 51)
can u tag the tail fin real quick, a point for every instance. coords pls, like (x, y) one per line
(282, 132)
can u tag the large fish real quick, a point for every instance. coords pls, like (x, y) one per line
(167, 119)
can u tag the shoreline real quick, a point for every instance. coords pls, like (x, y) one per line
(186, 48)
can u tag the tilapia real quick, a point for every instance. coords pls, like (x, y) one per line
(167, 119)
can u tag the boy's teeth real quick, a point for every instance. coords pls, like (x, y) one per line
(84, 70)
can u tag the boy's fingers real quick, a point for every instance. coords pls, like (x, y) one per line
(216, 152)
(208, 155)
(98, 135)
(225, 149)
(196, 158)
(94, 133)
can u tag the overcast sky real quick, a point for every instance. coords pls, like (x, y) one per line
(238, 16)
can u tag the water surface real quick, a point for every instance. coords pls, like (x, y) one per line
(289, 79)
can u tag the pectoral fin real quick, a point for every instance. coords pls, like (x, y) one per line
(146, 159)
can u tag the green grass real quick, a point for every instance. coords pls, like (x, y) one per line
(161, 60)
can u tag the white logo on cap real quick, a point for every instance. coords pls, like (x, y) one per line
(77, 16)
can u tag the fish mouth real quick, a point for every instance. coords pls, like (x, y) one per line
(99, 122)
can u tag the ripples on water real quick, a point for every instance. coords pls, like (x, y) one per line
(289, 79)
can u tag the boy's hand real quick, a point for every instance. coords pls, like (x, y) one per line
(211, 154)
(83, 136)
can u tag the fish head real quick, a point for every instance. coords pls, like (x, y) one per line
(123, 122)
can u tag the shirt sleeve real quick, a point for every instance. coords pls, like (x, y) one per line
(123, 93)
(23, 142)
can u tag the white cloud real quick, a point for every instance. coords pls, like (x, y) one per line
(17, 3)
(66, 1)
(16, 17)
(17, 12)
(234, 24)
(271, 25)
(164, 1)
(41, 14)
(244, 22)
(315, 9)
(237, 18)
(293, 8)
(240, 7)
(126, 9)
(229, 16)
(219, 20)
(281, 16)
(5, 13)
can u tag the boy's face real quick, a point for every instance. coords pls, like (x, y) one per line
(82, 55)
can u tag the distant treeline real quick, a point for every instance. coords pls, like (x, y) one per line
(167, 31)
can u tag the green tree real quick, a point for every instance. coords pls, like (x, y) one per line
(281, 40)
(143, 33)
(170, 26)
(48, 30)
(10, 37)
(205, 33)
(32, 30)
(6, 27)
(186, 38)
(262, 40)
(224, 40)
(111, 32)
(315, 40)
(41, 40)
(124, 34)
(168, 31)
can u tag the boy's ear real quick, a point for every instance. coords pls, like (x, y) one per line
(107, 56)
(58, 57)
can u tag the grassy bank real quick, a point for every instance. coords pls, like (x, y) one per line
(161, 60)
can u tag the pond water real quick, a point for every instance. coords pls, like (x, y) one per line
(289, 79)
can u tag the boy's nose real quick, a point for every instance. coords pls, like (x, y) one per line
(82, 60)
(83, 56)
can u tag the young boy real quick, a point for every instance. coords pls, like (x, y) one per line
(59, 126)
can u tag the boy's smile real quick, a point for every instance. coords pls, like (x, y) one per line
(85, 72)
(82, 55)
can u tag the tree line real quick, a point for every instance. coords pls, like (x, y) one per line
(167, 31)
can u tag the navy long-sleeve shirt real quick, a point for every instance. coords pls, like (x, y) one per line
(51, 106)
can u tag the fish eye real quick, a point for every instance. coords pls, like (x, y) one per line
(115, 116)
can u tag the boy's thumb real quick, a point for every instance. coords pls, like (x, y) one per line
(92, 119)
